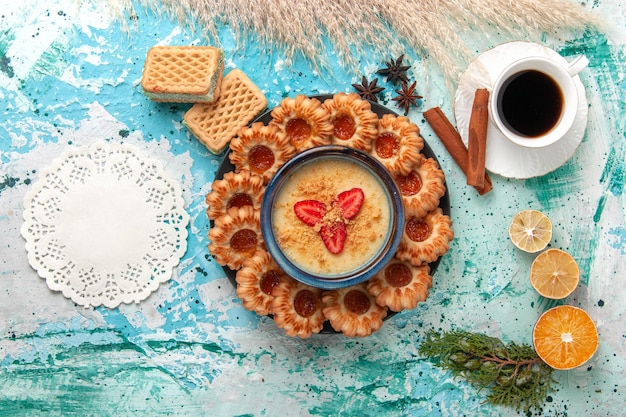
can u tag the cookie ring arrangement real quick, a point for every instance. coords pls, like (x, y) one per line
(308, 122)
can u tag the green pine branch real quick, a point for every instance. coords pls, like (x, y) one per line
(512, 374)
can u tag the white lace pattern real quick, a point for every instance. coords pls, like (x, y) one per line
(104, 224)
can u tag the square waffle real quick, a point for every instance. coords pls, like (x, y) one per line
(215, 124)
(183, 74)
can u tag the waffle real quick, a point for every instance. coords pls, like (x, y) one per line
(183, 74)
(215, 124)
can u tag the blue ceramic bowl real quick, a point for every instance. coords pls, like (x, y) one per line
(371, 265)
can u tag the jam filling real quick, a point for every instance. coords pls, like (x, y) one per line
(260, 158)
(298, 130)
(269, 281)
(357, 302)
(387, 145)
(410, 184)
(417, 230)
(244, 241)
(305, 303)
(239, 200)
(344, 126)
(398, 275)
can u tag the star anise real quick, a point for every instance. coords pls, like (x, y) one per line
(368, 90)
(406, 97)
(395, 71)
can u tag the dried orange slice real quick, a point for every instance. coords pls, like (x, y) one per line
(565, 337)
(530, 230)
(554, 274)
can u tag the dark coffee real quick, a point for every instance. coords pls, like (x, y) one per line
(530, 103)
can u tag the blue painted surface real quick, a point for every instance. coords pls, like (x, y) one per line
(69, 78)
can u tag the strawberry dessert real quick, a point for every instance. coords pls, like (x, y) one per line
(331, 217)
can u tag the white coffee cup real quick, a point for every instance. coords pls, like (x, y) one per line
(534, 101)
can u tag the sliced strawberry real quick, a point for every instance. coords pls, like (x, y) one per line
(349, 202)
(334, 236)
(310, 212)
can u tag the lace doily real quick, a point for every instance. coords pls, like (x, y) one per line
(105, 225)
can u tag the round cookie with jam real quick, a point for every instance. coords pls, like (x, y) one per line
(260, 149)
(236, 236)
(354, 123)
(425, 239)
(304, 121)
(422, 188)
(400, 285)
(235, 189)
(297, 308)
(398, 144)
(353, 311)
(256, 281)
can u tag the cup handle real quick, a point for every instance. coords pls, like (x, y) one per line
(578, 64)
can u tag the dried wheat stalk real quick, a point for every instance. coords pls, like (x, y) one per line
(435, 29)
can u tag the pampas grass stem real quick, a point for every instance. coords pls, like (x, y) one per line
(436, 29)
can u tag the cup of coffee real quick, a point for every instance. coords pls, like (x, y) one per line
(534, 100)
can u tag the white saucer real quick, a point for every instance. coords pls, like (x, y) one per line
(504, 157)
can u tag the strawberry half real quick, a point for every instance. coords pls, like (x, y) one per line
(334, 236)
(349, 202)
(310, 212)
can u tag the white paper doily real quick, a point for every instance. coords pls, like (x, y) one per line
(105, 225)
(503, 157)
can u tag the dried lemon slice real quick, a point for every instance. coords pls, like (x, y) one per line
(565, 337)
(530, 230)
(554, 274)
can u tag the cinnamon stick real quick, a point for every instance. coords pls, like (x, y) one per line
(453, 143)
(477, 138)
